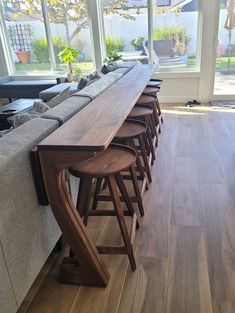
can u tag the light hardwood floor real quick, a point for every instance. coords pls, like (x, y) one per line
(185, 248)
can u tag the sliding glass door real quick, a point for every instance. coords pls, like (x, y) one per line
(225, 50)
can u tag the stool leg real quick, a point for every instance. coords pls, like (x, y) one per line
(138, 161)
(97, 191)
(144, 156)
(126, 198)
(136, 189)
(121, 220)
(83, 198)
(159, 108)
(149, 136)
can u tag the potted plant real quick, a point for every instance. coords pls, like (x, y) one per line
(20, 39)
(77, 72)
(68, 56)
(138, 43)
(112, 57)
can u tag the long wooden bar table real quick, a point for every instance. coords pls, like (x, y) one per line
(89, 131)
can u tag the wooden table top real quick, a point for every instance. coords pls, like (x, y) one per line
(93, 128)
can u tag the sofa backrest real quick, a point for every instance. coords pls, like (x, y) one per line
(66, 109)
(28, 231)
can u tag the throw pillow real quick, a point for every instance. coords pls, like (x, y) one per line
(108, 68)
(59, 98)
(82, 83)
(5, 131)
(94, 77)
(20, 119)
(39, 106)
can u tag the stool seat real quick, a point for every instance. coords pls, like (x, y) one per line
(151, 90)
(114, 159)
(153, 83)
(131, 129)
(139, 111)
(146, 99)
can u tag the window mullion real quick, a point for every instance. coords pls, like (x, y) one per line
(94, 12)
(48, 35)
(9, 67)
(150, 30)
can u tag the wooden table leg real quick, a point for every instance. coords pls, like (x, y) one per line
(86, 268)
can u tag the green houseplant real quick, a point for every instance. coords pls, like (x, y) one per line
(112, 57)
(68, 56)
(114, 44)
(77, 71)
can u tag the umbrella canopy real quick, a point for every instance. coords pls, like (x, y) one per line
(229, 25)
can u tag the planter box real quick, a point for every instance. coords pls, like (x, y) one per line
(164, 47)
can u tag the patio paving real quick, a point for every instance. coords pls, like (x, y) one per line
(224, 83)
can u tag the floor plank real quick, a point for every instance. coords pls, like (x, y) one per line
(188, 284)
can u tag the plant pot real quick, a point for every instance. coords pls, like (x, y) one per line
(77, 77)
(70, 77)
(219, 50)
(23, 56)
(184, 58)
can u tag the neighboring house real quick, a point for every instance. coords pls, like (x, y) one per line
(187, 5)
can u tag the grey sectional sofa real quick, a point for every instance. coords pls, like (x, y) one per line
(28, 231)
(11, 88)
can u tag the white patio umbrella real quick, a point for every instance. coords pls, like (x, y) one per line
(229, 25)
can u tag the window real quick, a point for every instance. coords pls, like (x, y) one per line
(23, 30)
(126, 29)
(39, 30)
(175, 28)
(69, 26)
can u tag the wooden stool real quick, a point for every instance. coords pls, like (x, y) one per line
(134, 129)
(150, 101)
(144, 113)
(153, 91)
(155, 83)
(108, 165)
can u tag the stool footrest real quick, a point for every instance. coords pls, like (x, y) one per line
(108, 198)
(106, 213)
(112, 250)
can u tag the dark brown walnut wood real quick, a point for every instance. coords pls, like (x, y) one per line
(91, 129)
(94, 127)
(91, 270)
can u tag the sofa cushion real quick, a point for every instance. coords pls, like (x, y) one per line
(99, 86)
(50, 93)
(59, 98)
(28, 231)
(64, 111)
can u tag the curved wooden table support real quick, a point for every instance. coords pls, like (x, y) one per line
(88, 269)
(89, 131)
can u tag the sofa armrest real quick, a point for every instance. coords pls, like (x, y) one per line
(5, 79)
(61, 80)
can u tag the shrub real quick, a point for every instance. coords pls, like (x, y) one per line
(114, 44)
(40, 48)
(176, 33)
(163, 33)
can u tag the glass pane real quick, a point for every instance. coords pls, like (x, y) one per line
(126, 29)
(225, 50)
(25, 27)
(69, 26)
(175, 34)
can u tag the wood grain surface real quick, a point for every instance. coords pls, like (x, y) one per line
(94, 127)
